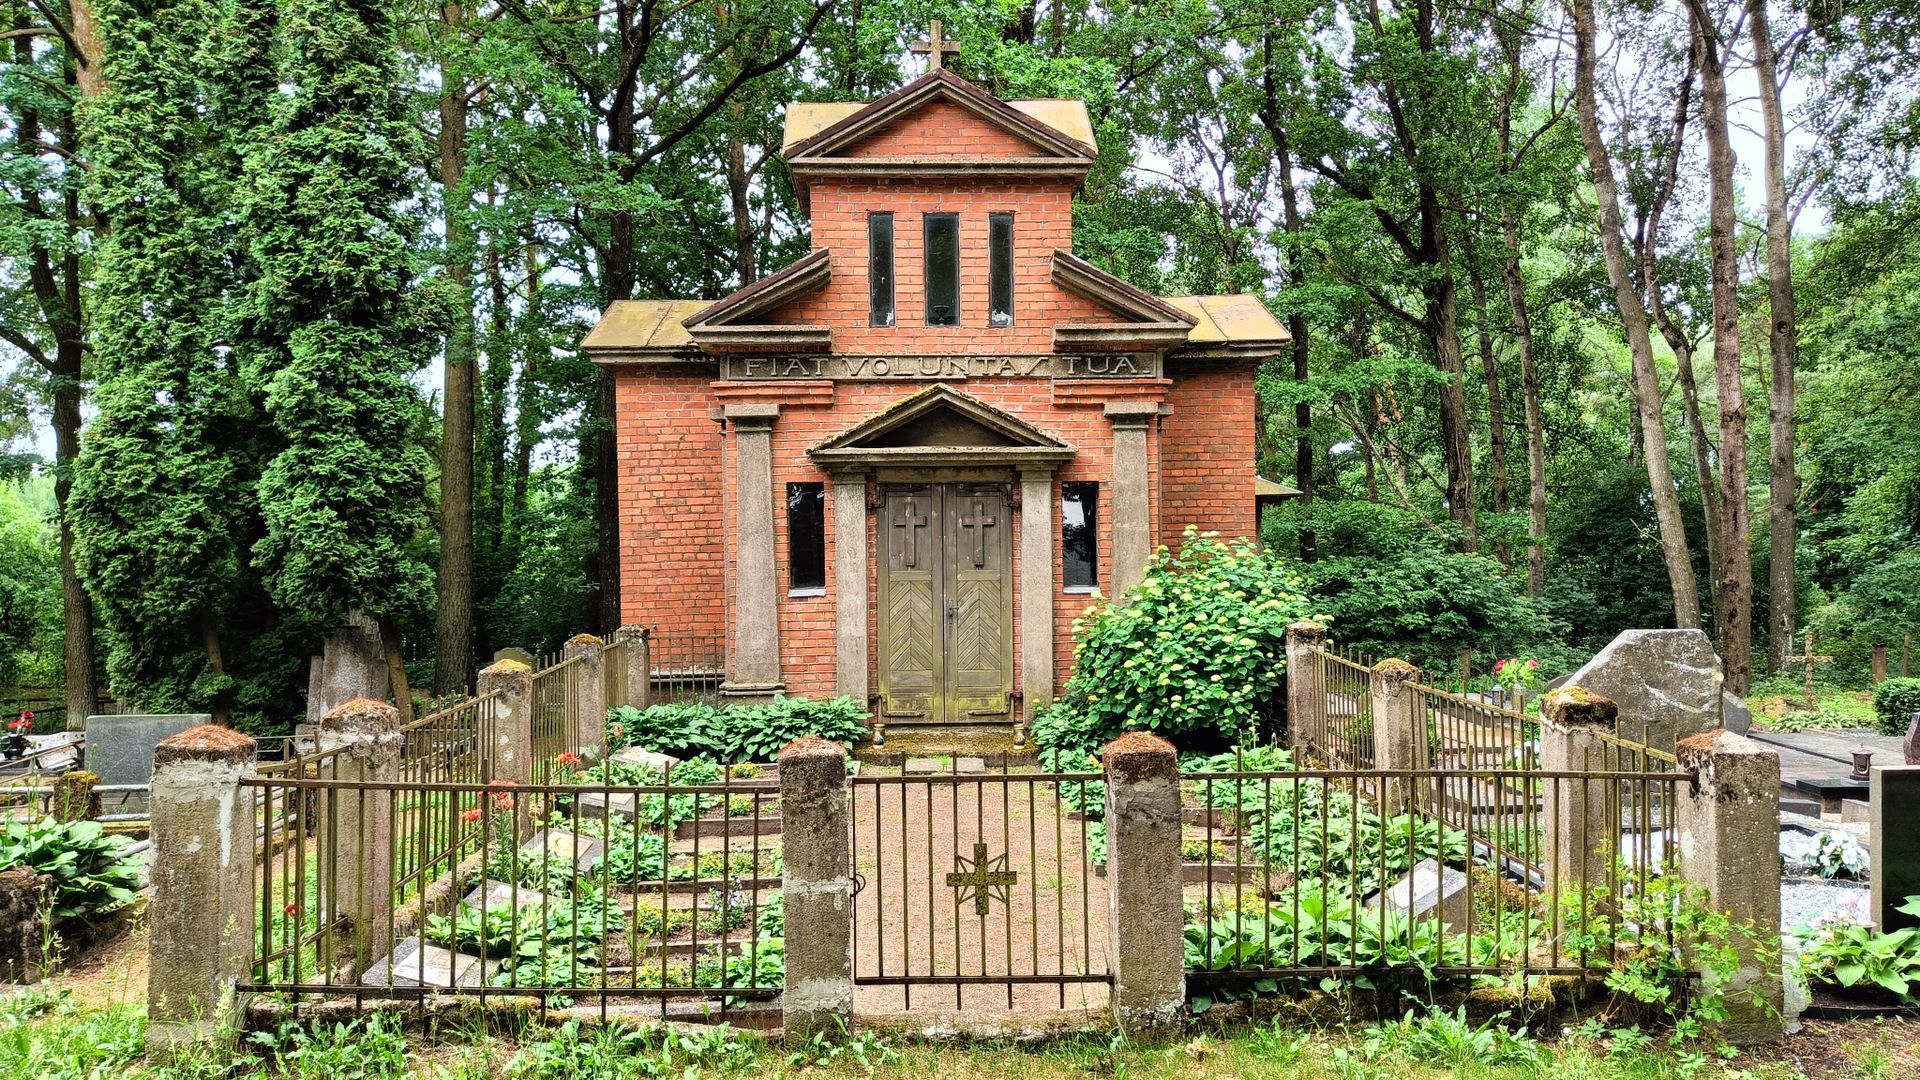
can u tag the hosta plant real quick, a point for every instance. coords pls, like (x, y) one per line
(90, 872)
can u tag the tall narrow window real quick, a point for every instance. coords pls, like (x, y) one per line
(943, 270)
(1000, 269)
(880, 269)
(806, 539)
(1080, 536)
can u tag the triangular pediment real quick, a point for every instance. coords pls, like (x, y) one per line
(941, 422)
(838, 139)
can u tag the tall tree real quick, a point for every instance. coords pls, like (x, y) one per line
(1733, 600)
(161, 498)
(453, 619)
(1633, 320)
(1783, 519)
(333, 335)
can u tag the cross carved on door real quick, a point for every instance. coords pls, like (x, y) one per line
(912, 523)
(979, 521)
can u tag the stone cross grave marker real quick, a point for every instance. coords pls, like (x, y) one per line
(1808, 658)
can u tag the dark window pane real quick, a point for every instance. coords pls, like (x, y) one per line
(1000, 269)
(1079, 534)
(880, 268)
(806, 536)
(943, 270)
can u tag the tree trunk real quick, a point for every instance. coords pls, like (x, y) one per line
(1733, 607)
(1536, 419)
(744, 233)
(453, 623)
(1496, 408)
(1633, 319)
(1443, 332)
(216, 663)
(1297, 330)
(1782, 347)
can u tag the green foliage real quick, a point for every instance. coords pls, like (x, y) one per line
(91, 873)
(1848, 954)
(736, 733)
(372, 1048)
(1894, 702)
(30, 625)
(1426, 605)
(1435, 1036)
(1195, 652)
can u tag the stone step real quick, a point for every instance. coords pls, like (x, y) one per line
(993, 742)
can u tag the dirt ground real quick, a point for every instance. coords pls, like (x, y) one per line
(1048, 920)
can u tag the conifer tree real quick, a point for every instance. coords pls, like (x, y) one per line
(162, 498)
(331, 329)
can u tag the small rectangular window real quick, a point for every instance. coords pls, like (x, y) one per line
(806, 538)
(880, 269)
(943, 269)
(1080, 535)
(1000, 269)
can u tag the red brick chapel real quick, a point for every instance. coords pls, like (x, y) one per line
(900, 467)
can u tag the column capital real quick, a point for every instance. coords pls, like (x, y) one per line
(751, 414)
(1132, 414)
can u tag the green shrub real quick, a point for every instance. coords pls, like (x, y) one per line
(737, 733)
(91, 872)
(1197, 648)
(1894, 702)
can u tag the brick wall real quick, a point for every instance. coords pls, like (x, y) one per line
(1206, 468)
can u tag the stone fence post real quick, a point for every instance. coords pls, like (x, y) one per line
(1399, 732)
(1729, 841)
(1582, 835)
(636, 667)
(1306, 686)
(817, 884)
(509, 727)
(1145, 950)
(586, 720)
(200, 911)
(356, 873)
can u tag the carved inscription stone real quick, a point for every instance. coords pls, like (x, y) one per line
(1144, 365)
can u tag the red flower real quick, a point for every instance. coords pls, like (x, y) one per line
(293, 909)
(568, 758)
(470, 815)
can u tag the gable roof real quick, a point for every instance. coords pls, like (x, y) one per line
(999, 438)
(1068, 116)
(1113, 292)
(797, 278)
(939, 85)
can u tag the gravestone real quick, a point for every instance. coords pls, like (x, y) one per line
(1895, 842)
(501, 895)
(582, 851)
(1668, 683)
(353, 664)
(415, 963)
(120, 750)
(1426, 889)
(511, 653)
(635, 755)
(597, 804)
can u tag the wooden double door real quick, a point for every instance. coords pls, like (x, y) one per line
(945, 604)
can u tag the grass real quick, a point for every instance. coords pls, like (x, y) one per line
(46, 1035)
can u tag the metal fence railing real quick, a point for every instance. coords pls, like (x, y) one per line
(592, 892)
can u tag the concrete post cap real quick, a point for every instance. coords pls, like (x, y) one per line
(1576, 706)
(578, 640)
(362, 716)
(1394, 672)
(504, 669)
(1138, 754)
(810, 746)
(208, 742)
(1308, 630)
(1719, 742)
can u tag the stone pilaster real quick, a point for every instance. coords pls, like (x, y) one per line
(1145, 950)
(1306, 687)
(586, 694)
(1036, 592)
(636, 667)
(510, 724)
(753, 663)
(356, 878)
(817, 886)
(1582, 834)
(850, 571)
(1729, 839)
(200, 915)
(1132, 526)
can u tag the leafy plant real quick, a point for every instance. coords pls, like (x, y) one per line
(1894, 702)
(90, 872)
(1846, 953)
(1838, 853)
(1437, 1036)
(737, 733)
(1198, 648)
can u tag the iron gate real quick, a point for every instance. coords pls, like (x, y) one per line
(978, 890)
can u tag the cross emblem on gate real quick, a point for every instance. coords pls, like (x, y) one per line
(982, 879)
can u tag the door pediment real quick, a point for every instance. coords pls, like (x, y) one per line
(941, 426)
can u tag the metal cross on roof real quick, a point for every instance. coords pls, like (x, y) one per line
(936, 46)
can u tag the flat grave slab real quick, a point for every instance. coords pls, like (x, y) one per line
(637, 755)
(1425, 889)
(504, 894)
(583, 851)
(598, 804)
(414, 962)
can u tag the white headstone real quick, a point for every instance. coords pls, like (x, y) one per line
(1425, 889)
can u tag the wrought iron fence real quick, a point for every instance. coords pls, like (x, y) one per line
(1310, 873)
(586, 892)
(687, 667)
(1340, 720)
(977, 890)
